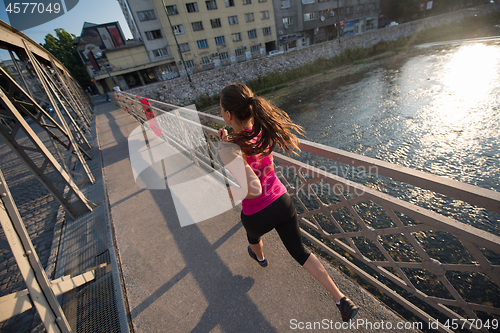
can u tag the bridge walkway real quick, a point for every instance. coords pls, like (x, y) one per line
(199, 278)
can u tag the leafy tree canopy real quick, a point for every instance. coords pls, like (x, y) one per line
(407, 10)
(63, 48)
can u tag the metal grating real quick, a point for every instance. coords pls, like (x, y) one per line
(86, 244)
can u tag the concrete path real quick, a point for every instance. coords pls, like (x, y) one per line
(199, 278)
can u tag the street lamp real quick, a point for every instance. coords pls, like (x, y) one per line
(175, 38)
(338, 20)
(99, 56)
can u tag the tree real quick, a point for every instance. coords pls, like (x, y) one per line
(63, 48)
(408, 10)
(404, 10)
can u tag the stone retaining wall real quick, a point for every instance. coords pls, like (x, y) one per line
(179, 92)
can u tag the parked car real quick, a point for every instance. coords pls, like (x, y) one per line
(274, 52)
(393, 23)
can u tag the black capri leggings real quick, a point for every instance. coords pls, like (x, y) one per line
(281, 214)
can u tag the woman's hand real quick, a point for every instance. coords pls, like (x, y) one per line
(222, 134)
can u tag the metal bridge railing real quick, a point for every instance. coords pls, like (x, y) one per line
(392, 244)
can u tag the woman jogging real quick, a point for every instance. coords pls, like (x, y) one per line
(258, 128)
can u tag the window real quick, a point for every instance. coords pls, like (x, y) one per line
(184, 47)
(310, 16)
(264, 15)
(249, 17)
(349, 10)
(189, 63)
(326, 13)
(229, 3)
(252, 33)
(285, 4)
(247, 2)
(236, 37)
(220, 40)
(172, 10)
(202, 44)
(153, 34)
(262, 0)
(240, 52)
(165, 69)
(178, 29)
(307, 2)
(197, 26)
(360, 8)
(323, 0)
(146, 15)
(255, 49)
(287, 20)
(206, 60)
(192, 7)
(233, 20)
(211, 4)
(215, 23)
(223, 56)
(266, 31)
(371, 6)
(160, 52)
(370, 25)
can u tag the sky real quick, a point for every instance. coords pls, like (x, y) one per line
(93, 11)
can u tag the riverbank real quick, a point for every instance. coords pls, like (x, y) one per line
(472, 27)
(272, 72)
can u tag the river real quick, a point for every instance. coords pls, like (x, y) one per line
(433, 107)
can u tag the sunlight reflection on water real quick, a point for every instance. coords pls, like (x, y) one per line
(435, 108)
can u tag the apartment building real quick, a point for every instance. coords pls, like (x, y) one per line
(111, 61)
(207, 33)
(305, 22)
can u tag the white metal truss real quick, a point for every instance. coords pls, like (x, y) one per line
(42, 80)
(8, 133)
(56, 102)
(40, 292)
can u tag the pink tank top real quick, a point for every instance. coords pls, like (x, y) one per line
(272, 188)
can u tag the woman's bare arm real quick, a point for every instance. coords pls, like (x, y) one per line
(249, 183)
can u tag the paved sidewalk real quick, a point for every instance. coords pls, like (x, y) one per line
(199, 278)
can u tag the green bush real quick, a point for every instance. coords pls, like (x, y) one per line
(203, 101)
(281, 86)
(468, 28)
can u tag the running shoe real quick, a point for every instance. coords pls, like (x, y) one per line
(252, 254)
(347, 309)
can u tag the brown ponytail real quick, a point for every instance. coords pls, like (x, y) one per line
(272, 123)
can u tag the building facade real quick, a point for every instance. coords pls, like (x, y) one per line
(112, 61)
(305, 22)
(204, 34)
